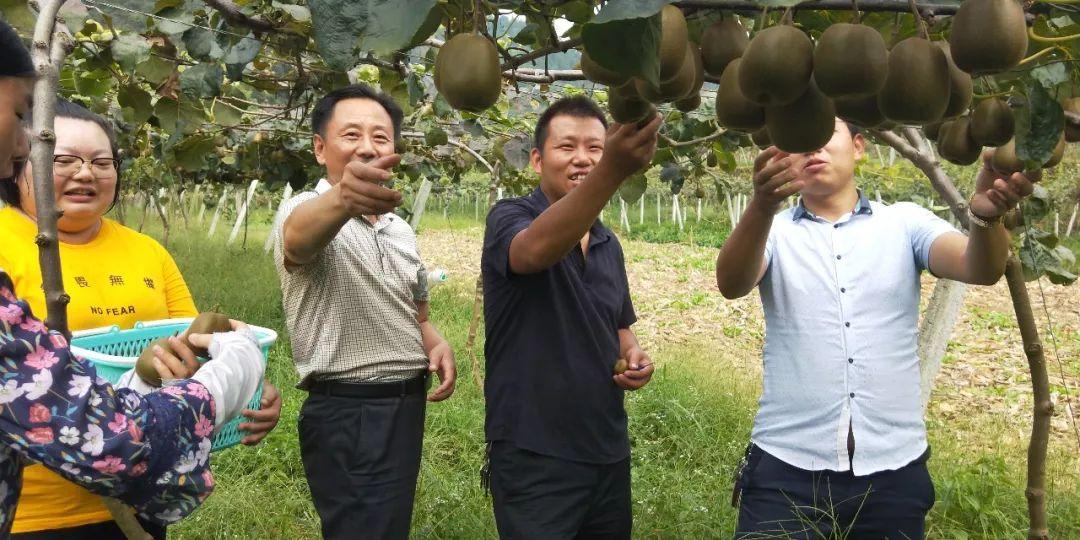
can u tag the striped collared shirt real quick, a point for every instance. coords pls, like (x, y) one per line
(841, 302)
(351, 313)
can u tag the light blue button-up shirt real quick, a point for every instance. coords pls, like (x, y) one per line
(841, 305)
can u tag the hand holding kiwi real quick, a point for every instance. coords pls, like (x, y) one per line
(998, 191)
(630, 148)
(176, 357)
(775, 174)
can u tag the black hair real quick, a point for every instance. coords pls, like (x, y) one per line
(17, 61)
(324, 109)
(578, 106)
(9, 191)
(853, 129)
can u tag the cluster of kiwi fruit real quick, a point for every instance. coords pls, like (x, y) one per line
(206, 323)
(467, 72)
(682, 74)
(784, 90)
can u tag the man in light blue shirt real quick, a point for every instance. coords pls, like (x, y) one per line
(839, 442)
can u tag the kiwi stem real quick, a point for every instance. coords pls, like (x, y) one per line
(855, 8)
(789, 16)
(763, 19)
(1040, 54)
(1048, 39)
(478, 14)
(919, 20)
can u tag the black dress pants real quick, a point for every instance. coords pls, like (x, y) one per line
(361, 458)
(543, 497)
(782, 501)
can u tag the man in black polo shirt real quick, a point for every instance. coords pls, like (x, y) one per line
(558, 314)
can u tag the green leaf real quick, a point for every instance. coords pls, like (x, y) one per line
(625, 37)
(517, 151)
(1060, 276)
(175, 20)
(201, 45)
(298, 13)
(202, 81)
(1035, 259)
(1038, 127)
(190, 153)
(436, 136)
(129, 50)
(1037, 205)
(382, 26)
(335, 25)
(1050, 75)
(154, 70)
(17, 14)
(167, 111)
(577, 11)
(633, 188)
(226, 115)
(243, 51)
(135, 103)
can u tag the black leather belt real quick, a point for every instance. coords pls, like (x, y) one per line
(416, 385)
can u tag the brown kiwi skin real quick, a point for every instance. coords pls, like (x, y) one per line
(627, 107)
(850, 60)
(804, 125)
(733, 110)
(917, 88)
(599, 74)
(721, 43)
(955, 143)
(861, 111)
(470, 78)
(988, 36)
(777, 66)
(1006, 162)
(1072, 131)
(960, 86)
(208, 322)
(992, 122)
(673, 41)
(144, 366)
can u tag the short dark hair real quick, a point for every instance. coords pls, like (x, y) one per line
(579, 106)
(17, 61)
(9, 191)
(853, 129)
(324, 109)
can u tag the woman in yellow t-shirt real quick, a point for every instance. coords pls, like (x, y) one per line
(114, 275)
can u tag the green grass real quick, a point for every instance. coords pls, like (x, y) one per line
(688, 429)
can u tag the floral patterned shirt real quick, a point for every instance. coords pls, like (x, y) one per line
(151, 451)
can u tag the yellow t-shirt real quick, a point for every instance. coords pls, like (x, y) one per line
(120, 277)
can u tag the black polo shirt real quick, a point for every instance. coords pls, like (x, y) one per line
(552, 342)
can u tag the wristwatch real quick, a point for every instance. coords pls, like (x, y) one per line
(982, 222)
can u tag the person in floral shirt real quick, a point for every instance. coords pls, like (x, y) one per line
(150, 451)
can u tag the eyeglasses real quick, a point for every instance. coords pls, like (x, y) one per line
(65, 165)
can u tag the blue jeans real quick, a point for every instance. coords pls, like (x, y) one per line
(782, 501)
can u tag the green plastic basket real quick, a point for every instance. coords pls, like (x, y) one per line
(113, 352)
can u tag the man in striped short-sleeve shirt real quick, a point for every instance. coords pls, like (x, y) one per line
(356, 304)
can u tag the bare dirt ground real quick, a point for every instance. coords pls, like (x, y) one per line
(984, 380)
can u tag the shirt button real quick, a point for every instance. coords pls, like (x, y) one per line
(852, 394)
(836, 226)
(838, 257)
(851, 360)
(847, 324)
(842, 289)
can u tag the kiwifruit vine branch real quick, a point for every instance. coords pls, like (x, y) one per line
(927, 8)
(1049, 39)
(232, 13)
(1025, 318)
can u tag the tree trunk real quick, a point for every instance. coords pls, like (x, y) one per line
(1044, 408)
(937, 325)
(164, 218)
(145, 211)
(918, 151)
(51, 46)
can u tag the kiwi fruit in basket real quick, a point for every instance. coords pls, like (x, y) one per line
(206, 323)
